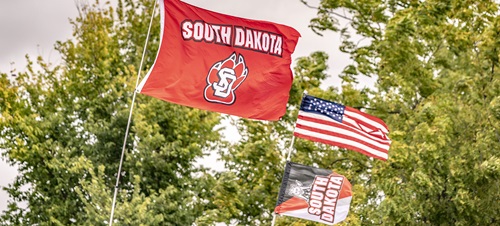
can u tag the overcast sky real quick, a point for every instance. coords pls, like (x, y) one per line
(33, 26)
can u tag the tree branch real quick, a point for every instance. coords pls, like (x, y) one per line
(329, 11)
(375, 109)
(355, 160)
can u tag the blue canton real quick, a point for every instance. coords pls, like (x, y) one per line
(319, 106)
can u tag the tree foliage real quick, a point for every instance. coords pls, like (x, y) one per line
(64, 126)
(436, 65)
(437, 87)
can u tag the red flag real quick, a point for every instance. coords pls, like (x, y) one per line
(221, 63)
(343, 126)
(314, 194)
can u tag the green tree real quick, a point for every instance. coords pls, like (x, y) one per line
(246, 194)
(64, 126)
(437, 87)
(436, 65)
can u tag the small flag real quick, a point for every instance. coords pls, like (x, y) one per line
(221, 63)
(346, 127)
(314, 194)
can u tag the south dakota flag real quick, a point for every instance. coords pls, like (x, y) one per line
(221, 63)
(314, 194)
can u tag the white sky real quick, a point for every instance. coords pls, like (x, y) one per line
(32, 27)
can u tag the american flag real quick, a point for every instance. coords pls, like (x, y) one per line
(346, 127)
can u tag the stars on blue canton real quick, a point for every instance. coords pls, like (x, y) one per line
(320, 106)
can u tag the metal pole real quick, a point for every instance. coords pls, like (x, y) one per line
(129, 120)
(274, 219)
(290, 149)
(288, 157)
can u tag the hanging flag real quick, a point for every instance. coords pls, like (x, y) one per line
(314, 194)
(346, 127)
(221, 63)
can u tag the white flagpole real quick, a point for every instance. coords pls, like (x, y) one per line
(288, 157)
(130, 119)
(287, 160)
(274, 219)
(290, 149)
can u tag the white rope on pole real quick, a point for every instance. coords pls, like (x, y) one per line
(274, 219)
(130, 119)
(290, 149)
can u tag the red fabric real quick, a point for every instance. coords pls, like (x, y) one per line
(346, 189)
(291, 204)
(222, 63)
(346, 127)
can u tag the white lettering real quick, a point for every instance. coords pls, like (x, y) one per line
(257, 35)
(209, 33)
(327, 217)
(216, 29)
(321, 181)
(265, 42)
(198, 31)
(271, 45)
(239, 37)
(187, 33)
(315, 203)
(249, 41)
(226, 35)
(247, 38)
(277, 48)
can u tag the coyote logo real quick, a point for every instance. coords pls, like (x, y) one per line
(299, 190)
(224, 78)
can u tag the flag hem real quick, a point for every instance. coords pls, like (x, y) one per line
(162, 25)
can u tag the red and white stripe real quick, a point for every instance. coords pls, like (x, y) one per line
(358, 131)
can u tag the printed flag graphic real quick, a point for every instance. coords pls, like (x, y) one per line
(314, 194)
(221, 63)
(346, 127)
